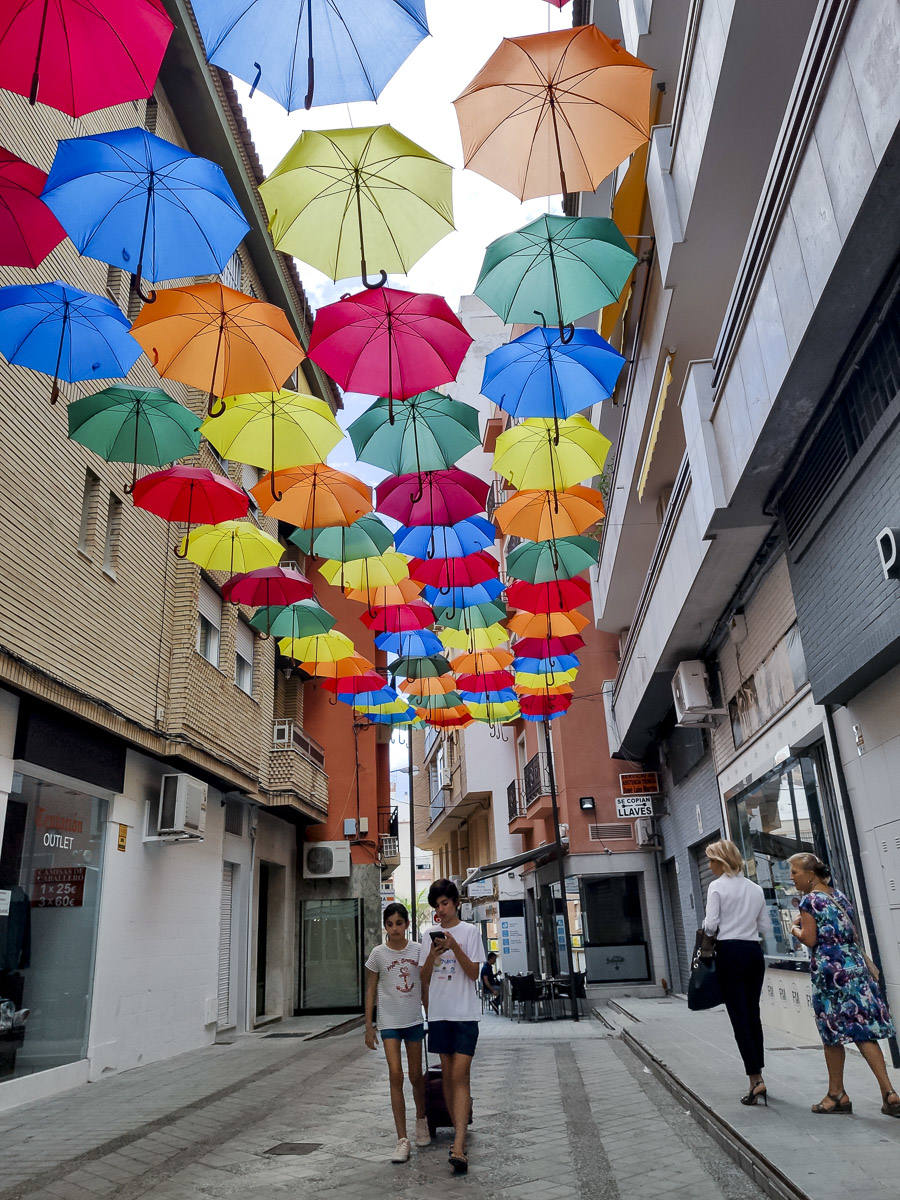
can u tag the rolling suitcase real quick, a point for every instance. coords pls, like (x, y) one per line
(436, 1112)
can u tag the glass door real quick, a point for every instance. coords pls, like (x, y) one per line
(331, 955)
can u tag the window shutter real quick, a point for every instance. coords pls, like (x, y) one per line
(243, 643)
(209, 604)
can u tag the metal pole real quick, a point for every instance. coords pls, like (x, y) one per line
(573, 999)
(412, 839)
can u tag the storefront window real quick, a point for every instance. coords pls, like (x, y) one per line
(50, 866)
(615, 945)
(330, 955)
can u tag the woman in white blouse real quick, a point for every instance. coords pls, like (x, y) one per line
(736, 913)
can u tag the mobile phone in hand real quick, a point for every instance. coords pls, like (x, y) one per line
(437, 935)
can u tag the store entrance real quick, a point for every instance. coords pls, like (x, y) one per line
(331, 955)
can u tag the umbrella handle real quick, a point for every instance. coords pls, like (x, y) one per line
(213, 411)
(136, 281)
(566, 333)
(372, 285)
(275, 494)
(256, 79)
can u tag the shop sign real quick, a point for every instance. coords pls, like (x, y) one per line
(122, 838)
(58, 887)
(639, 783)
(628, 807)
(58, 831)
(484, 887)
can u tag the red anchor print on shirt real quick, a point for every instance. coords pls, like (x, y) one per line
(406, 985)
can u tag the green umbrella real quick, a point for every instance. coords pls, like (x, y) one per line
(556, 268)
(428, 432)
(428, 667)
(558, 558)
(303, 619)
(134, 425)
(367, 537)
(478, 616)
(448, 700)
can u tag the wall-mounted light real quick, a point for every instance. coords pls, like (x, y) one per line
(586, 803)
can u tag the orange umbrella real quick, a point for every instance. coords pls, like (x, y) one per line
(403, 592)
(558, 689)
(547, 625)
(555, 112)
(541, 515)
(439, 685)
(219, 340)
(482, 662)
(344, 668)
(313, 497)
(450, 718)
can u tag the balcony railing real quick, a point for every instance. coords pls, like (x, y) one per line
(536, 778)
(515, 799)
(388, 822)
(287, 735)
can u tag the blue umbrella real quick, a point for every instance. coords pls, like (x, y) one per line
(416, 643)
(305, 52)
(500, 696)
(558, 664)
(385, 695)
(463, 597)
(132, 200)
(404, 718)
(66, 333)
(446, 541)
(539, 375)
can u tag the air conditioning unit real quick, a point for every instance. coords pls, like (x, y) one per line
(326, 860)
(690, 689)
(445, 780)
(182, 807)
(644, 833)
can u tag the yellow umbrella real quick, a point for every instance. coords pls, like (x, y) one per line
(505, 710)
(547, 625)
(532, 679)
(318, 648)
(232, 546)
(556, 689)
(363, 574)
(392, 706)
(476, 639)
(543, 453)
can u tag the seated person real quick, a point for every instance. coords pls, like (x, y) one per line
(490, 983)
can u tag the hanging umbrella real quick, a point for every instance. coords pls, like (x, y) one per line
(218, 340)
(399, 618)
(482, 661)
(563, 688)
(428, 433)
(549, 597)
(64, 332)
(132, 200)
(303, 619)
(386, 708)
(540, 452)
(540, 375)
(136, 425)
(560, 664)
(438, 685)
(268, 586)
(389, 343)
(486, 681)
(341, 197)
(432, 498)
(380, 571)
(447, 573)
(313, 497)
(540, 707)
(231, 546)
(476, 616)
(537, 647)
(464, 597)
(544, 515)
(449, 718)
(419, 668)
(492, 696)
(355, 684)
(353, 667)
(555, 112)
(559, 558)
(306, 52)
(446, 541)
(493, 712)
(273, 429)
(415, 644)
(547, 624)
(28, 229)
(318, 648)
(367, 537)
(410, 719)
(486, 638)
(434, 702)
(404, 592)
(192, 495)
(556, 269)
(82, 55)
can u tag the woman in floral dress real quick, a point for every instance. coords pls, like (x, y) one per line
(847, 1001)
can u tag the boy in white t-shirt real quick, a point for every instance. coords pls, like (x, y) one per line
(450, 972)
(393, 969)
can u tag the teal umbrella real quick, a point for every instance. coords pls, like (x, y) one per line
(447, 700)
(478, 616)
(419, 668)
(558, 558)
(303, 619)
(134, 425)
(367, 537)
(428, 432)
(556, 269)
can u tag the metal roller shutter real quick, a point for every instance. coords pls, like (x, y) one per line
(681, 958)
(224, 989)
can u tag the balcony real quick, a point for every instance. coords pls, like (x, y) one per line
(536, 779)
(515, 799)
(296, 778)
(390, 855)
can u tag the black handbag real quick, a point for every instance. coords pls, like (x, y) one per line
(703, 987)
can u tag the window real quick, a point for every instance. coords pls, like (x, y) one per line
(209, 622)
(88, 527)
(232, 272)
(113, 535)
(243, 657)
(115, 285)
(151, 115)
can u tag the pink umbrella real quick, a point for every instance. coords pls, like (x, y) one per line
(448, 573)
(399, 618)
(28, 229)
(385, 342)
(432, 498)
(268, 586)
(558, 3)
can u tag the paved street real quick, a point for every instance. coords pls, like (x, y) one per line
(560, 1111)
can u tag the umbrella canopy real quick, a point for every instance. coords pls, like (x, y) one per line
(482, 662)
(313, 497)
(425, 433)
(389, 343)
(439, 685)
(190, 494)
(485, 681)
(365, 538)
(543, 453)
(231, 546)
(559, 664)
(414, 644)
(306, 52)
(446, 573)
(353, 667)
(494, 711)
(419, 668)
(303, 619)
(434, 702)
(399, 618)
(268, 586)
(132, 200)
(380, 571)
(432, 498)
(486, 638)
(449, 718)
(218, 340)
(446, 541)
(273, 429)
(556, 268)
(547, 624)
(408, 719)
(355, 684)
(136, 425)
(28, 229)
(540, 375)
(544, 706)
(538, 680)
(82, 55)
(375, 598)
(537, 647)
(489, 696)
(387, 707)
(555, 112)
(559, 558)
(476, 616)
(64, 332)
(557, 596)
(464, 597)
(543, 515)
(317, 648)
(344, 198)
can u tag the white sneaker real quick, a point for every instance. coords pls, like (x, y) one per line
(423, 1137)
(401, 1154)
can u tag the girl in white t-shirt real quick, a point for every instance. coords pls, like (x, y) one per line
(393, 972)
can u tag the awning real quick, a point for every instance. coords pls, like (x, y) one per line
(538, 856)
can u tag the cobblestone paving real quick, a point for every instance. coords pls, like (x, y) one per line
(561, 1112)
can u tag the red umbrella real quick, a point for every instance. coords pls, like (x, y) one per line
(28, 229)
(432, 498)
(268, 586)
(543, 706)
(354, 684)
(190, 494)
(385, 342)
(490, 681)
(82, 55)
(533, 647)
(558, 3)
(446, 573)
(399, 618)
(559, 595)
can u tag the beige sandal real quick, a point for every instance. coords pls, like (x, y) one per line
(842, 1104)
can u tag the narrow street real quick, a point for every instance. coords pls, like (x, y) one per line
(560, 1110)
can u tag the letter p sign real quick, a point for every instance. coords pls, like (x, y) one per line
(889, 552)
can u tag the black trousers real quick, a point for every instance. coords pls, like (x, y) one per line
(740, 967)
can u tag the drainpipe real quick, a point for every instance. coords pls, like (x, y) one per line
(657, 854)
(251, 987)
